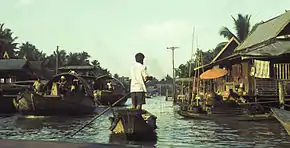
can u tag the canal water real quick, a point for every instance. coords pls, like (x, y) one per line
(173, 130)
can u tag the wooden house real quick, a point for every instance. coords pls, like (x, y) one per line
(260, 60)
(12, 70)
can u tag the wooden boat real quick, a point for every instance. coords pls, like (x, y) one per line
(223, 111)
(8, 92)
(50, 101)
(129, 123)
(107, 96)
(283, 117)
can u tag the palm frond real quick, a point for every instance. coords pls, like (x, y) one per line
(226, 33)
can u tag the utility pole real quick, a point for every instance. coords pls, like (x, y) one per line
(56, 60)
(173, 72)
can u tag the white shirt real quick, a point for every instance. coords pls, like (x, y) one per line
(138, 75)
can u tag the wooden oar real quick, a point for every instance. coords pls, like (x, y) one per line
(97, 116)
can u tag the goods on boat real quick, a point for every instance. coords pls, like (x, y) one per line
(65, 94)
(211, 110)
(133, 124)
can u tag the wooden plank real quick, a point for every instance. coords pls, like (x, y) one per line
(283, 117)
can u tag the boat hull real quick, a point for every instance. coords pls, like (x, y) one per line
(31, 103)
(132, 125)
(6, 105)
(109, 98)
(6, 98)
(223, 111)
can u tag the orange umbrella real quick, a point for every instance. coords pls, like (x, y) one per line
(213, 73)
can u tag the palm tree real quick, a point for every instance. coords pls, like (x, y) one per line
(7, 41)
(242, 28)
(76, 58)
(30, 52)
(100, 70)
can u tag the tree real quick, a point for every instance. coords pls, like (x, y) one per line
(76, 58)
(99, 70)
(116, 76)
(242, 28)
(50, 61)
(7, 41)
(30, 52)
(201, 58)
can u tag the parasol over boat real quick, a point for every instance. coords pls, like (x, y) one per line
(213, 74)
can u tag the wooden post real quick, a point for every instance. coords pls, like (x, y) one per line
(173, 72)
(281, 94)
(160, 90)
(56, 58)
(166, 98)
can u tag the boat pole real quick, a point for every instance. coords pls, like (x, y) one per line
(97, 116)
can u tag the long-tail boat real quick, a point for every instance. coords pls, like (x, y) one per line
(283, 116)
(70, 99)
(108, 90)
(133, 124)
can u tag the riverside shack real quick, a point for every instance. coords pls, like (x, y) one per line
(258, 62)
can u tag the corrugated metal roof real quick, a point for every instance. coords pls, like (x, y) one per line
(12, 64)
(265, 31)
(275, 49)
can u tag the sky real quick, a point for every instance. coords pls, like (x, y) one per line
(113, 31)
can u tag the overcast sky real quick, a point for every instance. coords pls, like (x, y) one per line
(112, 31)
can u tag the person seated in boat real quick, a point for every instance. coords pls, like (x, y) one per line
(74, 85)
(232, 95)
(109, 85)
(139, 77)
(62, 84)
(242, 93)
(36, 85)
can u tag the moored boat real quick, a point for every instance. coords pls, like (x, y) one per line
(223, 110)
(133, 125)
(55, 100)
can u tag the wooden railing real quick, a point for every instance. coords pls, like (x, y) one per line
(282, 71)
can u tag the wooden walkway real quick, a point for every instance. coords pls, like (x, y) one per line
(50, 144)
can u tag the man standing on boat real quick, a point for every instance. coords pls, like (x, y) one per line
(139, 77)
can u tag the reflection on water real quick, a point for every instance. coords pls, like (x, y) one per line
(173, 130)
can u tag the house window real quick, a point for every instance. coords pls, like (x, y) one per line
(2, 80)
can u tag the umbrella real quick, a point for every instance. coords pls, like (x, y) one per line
(213, 73)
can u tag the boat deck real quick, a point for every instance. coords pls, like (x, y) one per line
(50, 144)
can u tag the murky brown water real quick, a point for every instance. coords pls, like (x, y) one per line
(173, 130)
